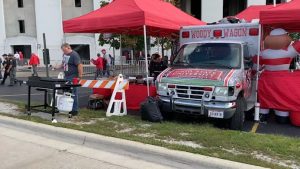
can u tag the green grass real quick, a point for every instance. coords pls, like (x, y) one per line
(215, 142)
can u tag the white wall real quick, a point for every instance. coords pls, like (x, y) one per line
(21, 40)
(96, 6)
(49, 21)
(212, 10)
(2, 28)
(256, 2)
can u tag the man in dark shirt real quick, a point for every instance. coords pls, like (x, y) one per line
(157, 65)
(6, 66)
(1, 61)
(13, 69)
(73, 69)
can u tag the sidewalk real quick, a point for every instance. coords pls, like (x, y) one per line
(106, 151)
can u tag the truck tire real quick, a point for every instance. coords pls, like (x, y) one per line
(166, 111)
(238, 119)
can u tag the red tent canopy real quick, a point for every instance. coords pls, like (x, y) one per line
(129, 17)
(285, 16)
(252, 12)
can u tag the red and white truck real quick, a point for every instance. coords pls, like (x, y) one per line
(212, 73)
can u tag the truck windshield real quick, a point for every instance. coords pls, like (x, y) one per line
(209, 55)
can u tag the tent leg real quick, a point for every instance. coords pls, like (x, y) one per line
(146, 59)
(121, 58)
(257, 105)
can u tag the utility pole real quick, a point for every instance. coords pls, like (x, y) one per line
(46, 55)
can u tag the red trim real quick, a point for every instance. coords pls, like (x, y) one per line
(228, 77)
(296, 45)
(280, 61)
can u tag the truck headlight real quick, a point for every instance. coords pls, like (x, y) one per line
(221, 91)
(162, 87)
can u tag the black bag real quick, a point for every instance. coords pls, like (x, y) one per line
(150, 110)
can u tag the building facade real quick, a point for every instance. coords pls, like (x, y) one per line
(214, 10)
(23, 22)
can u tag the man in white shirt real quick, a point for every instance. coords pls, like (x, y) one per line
(17, 57)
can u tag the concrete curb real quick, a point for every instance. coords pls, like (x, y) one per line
(80, 138)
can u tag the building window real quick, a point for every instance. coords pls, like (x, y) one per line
(196, 8)
(20, 4)
(270, 2)
(22, 26)
(233, 7)
(77, 3)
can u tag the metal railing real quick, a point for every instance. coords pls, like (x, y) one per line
(127, 68)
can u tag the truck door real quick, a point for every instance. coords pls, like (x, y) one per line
(247, 72)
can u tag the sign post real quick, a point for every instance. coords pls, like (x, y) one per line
(46, 55)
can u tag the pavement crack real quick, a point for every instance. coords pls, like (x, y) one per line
(84, 139)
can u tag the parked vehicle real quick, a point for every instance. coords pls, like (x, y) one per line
(212, 74)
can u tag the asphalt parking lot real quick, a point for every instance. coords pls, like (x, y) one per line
(19, 93)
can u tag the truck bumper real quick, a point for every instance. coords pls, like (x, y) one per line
(198, 108)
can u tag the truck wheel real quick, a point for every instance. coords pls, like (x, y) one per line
(238, 119)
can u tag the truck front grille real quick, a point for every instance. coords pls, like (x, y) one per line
(189, 92)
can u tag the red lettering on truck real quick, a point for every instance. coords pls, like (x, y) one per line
(200, 33)
(238, 32)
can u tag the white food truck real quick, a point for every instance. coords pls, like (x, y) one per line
(212, 74)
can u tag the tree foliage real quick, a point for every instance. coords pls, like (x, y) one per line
(295, 36)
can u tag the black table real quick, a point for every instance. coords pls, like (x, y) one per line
(46, 85)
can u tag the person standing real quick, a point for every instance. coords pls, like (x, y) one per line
(73, 69)
(6, 66)
(1, 61)
(156, 66)
(34, 62)
(17, 58)
(108, 63)
(13, 70)
(99, 66)
(21, 58)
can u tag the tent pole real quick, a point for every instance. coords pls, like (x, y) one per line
(121, 58)
(146, 59)
(257, 105)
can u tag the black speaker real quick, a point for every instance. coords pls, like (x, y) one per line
(46, 56)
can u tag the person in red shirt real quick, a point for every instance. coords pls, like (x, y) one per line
(21, 58)
(99, 62)
(34, 62)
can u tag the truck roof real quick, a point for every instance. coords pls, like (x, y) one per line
(241, 33)
(219, 41)
(221, 25)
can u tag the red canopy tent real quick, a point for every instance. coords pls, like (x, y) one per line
(252, 12)
(148, 17)
(129, 17)
(285, 16)
(280, 90)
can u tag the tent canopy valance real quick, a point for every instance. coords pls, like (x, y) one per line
(129, 17)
